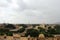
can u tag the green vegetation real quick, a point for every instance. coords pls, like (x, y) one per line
(21, 30)
(23, 25)
(41, 30)
(50, 32)
(47, 33)
(10, 26)
(1, 34)
(9, 34)
(32, 32)
(5, 31)
(57, 28)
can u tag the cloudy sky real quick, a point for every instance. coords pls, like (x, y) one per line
(29, 11)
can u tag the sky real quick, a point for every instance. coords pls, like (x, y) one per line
(29, 11)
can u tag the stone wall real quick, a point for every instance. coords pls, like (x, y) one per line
(26, 38)
(23, 38)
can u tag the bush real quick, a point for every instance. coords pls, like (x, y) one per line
(32, 32)
(21, 30)
(1, 34)
(9, 34)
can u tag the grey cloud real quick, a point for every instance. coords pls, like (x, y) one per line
(30, 11)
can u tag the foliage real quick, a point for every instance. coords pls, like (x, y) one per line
(10, 26)
(47, 33)
(32, 32)
(9, 34)
(23, 25)
(21, 30)
(51, 30)
(1, 34)
(4, 30)
(57, 28)
(41, 30)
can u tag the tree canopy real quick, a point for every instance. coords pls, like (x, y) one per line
(10, 26)
(32, 32)
(57, 28)
(21, 30)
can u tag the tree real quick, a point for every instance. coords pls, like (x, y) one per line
(4, 30)
(9, 33)
(34, 25)
(47, 33)
(32, 32)
(51, 30)
(23, 25)
(21, 30)
(10, 26)
(41, 30)
(1, 34)
(57, 28)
